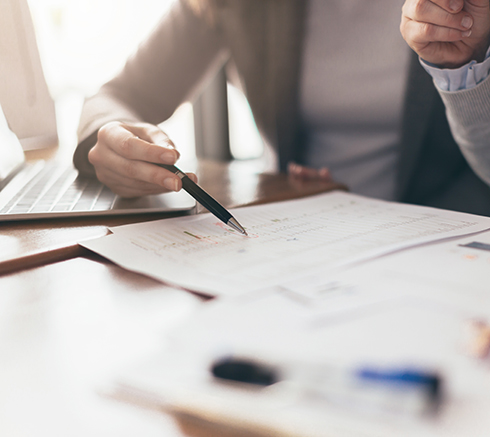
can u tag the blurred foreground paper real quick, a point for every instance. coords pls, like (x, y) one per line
(404, 331)
(24, 94)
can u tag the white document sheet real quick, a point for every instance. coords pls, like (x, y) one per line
(397, 333)
(287, 241)
(451, 273)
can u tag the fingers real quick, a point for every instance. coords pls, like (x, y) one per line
(192, 176)
(139, 142)
(449, 5)
(297, 171)
(425, 21)
(151, 134)
(108, 163)
(129, 188)
(123, 159)
(126, 187)
(447, 33)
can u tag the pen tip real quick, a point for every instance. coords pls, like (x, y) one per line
(237, 226)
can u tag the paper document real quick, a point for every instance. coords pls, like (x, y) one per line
(286, 241)
(381, 335)
(454, 272)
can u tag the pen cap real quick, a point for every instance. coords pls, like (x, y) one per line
(243, 370)
(429, 382)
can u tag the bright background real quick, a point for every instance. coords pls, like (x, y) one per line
(84, 43)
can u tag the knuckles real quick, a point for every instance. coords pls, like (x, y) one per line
(418, 7)
(427, 31)
(155, 176)
(107, 130)
(130, 169)
(94, 156)
(126, 145)
(414, 9)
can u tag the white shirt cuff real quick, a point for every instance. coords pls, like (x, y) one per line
(463, 78)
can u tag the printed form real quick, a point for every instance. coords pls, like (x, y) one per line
(286, 241)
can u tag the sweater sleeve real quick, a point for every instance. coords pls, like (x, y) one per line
(468, 113)
(168, 69)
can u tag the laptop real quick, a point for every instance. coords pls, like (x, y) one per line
(46, 189)
(24, 94)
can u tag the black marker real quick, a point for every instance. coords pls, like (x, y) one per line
(205, 199)
(244, 370)
(403, 389)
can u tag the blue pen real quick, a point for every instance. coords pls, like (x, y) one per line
(399, 390)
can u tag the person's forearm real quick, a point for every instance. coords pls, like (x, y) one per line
(468, 114)
(165, 71)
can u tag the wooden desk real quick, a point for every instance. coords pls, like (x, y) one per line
(27, 244)
(69, 320)
(65, 330)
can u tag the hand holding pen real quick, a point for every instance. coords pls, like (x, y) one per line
(126, 158)
(125, 155)
(205, 199)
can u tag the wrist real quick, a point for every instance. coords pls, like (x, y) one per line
(463, 78)
(482, 51)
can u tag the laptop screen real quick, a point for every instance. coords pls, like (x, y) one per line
(11, 152)
(24, 94)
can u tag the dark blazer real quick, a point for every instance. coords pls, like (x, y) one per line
(262, 41)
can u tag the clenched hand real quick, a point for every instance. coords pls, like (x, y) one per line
(447, 33)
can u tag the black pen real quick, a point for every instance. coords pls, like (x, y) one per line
(205, 199)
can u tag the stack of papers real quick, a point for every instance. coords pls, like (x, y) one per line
(312, 283)
(287, 241)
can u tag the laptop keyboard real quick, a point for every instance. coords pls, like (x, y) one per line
(60, 193)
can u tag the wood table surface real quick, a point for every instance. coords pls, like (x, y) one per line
(30, 243)
(70, 320)
(66, 330)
